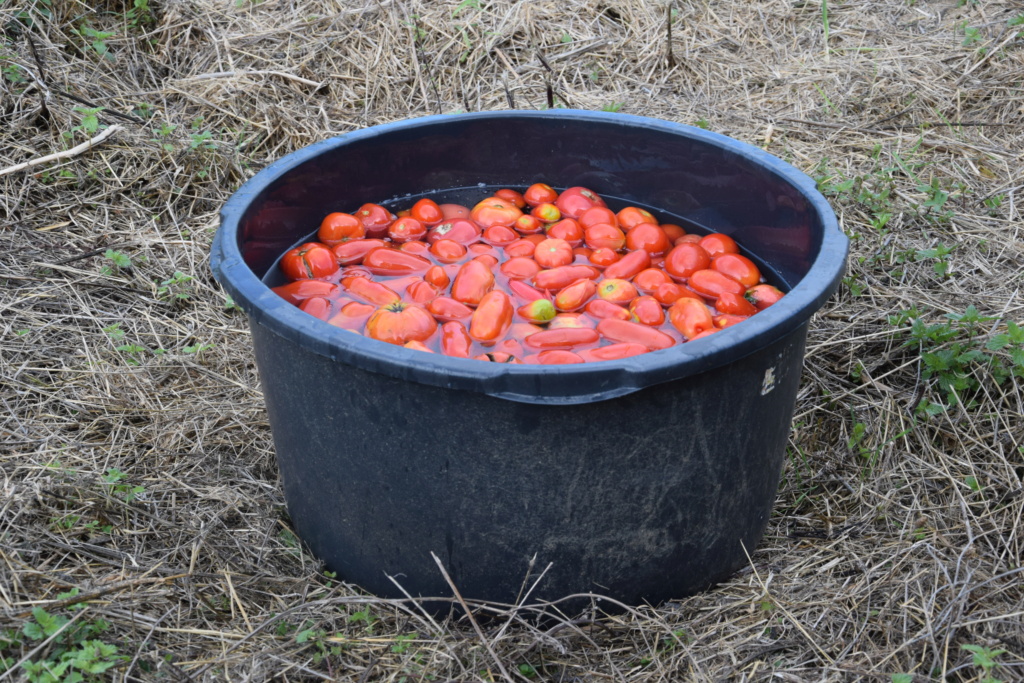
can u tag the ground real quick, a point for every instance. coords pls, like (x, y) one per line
(143, 532)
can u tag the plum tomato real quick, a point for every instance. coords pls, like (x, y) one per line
(575, 200)
(629, 265)
(492, 317)
(537, 311)
(539, 193)
(393, 262)
(427, 212)
(447, 251)
(601, 309)
(525, 292)
(553, 279)
(629, 332)
(597, 215)
(340, 227)
(472, 282)
(318, 307)
(717, 243)
(461, 230)
(495, 211)
(445, 309)
(309, 261)
(455, 340)
(568, 319)
(399, 323)
(562, 338)
(649, 279)
(520, 249)
(613, 352)
(421, 292)
(553, 252)
(370, 291)
(519, 268)
(575, 296)
(352, 253)
(671, 292)
(450, 211)
(724, 320)
(352, 316)
(406, 230)
(734, 304)
(558, 357)
(415, 247)
(690, 317)
(500, 235)
(711, 284)
(646, 310)
(298, 291)
(568, 230)
(510, 195)
(417, 346)
(604, 257)
(375, 219)
(738, 267)
(437, 276)
(686, 259)
(763, 295)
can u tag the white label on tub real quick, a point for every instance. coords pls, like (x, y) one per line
(769, 381)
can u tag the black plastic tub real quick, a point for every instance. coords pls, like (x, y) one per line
(643, 479)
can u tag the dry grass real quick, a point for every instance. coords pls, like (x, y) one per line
(136, 464)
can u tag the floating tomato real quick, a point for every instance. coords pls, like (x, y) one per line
(300, 290)
(628, 332)
(393, 262)
(492, 317)
(375, 219)
(406, 230)
(427, 212)
(686, 259)
(717, 243)
(763, 296)
(455, 340)
(576, 200)
(495, 211)
(711, 284)
(399, 323)
(552, 253)
(538, 193)
(472, 282)
(690, 317)
(311, 260)
(738, 267)
(352, 253)
(340, 227)
(629, 265)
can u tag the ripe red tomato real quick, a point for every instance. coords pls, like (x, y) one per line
(455, 340)
(521, 248)
(738, 267)
(461, 230)
(690, 317)
(393, 262)
(711, 284)
(375, 219)
(446, 309)
(575, 200)
(500, 235)
(575, 296)
(427, 212)
(616, 290)
(558, 357)
(734, 304)
(596, 215)
(763, 296)
(311, 260)
(370, 291)
(717, 243)
(352, 253)
(629, 332)
(450, 211)
(399, 323)
(568, 230)
(539, 193)
(604, 257)
(649, 279)
(554, 279)
(340, 227)
(353, 316)
(604, 236)
(553, 252)
(562, 338)
(472, 282)
(406, 230)
(492, 317)
(686, 259)
(520, 268)
(447, 251)
(318, 307)
(298, 291)
(600, 309)
(529, 225)
(537, 311)
(629, 265)
(437, 276)
(649, 237)
(511, 196)
(647, 310)
(631, 216)
(613, 352)
(495, 211)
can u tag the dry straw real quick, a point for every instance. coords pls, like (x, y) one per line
(139, 497)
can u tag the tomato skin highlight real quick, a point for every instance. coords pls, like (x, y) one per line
(716, 243)
(648, 280)
(492, 317)
(568, 230)
(538, 193)
(573, 201)
(691, 317)
(629, 265)
(602, 258)
(473, 281)
(564, 338)
(649, 237)
(626, 331)
(427, 212)
(298, 291)
(375, 219)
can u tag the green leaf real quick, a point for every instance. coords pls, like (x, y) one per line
(902, 678)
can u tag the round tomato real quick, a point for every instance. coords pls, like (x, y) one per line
(406, 230)
(375, 219)
(340, 227)
(649, 237)
(399, 323)
(461, 230)
(427, 212)
(553, 252)
(495, 211)
(631, 216)
(309, 261)
(717, 243)
(686, 259)
(575, 200)
(539, 193)
(604, 236)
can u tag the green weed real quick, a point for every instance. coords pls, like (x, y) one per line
(986, 659)
(75, 653)
(96, 40)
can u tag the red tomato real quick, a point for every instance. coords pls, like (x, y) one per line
(574, 320)
(375, 219)
(352, 253)
(492, 317)
(690, 317)
(520, 249)
(628, 332)
(546, 212)
(418, 346)
(604, 236)
(500, 235)
(600, 309)
(711, 284)
(511, 196)
(447, 309)
(520, 268)
(613, 352)
(616, 290)
(485, 257)
(370, 291)
(629, 265)
(450, 211)
(399, 323)
(447, 251)
(317, 306)
(529, 225)
(575, 200)
(455, 340)
(300, 290)
(734, 304)
(340, 227)
(555, 278)
(649, 279)
(725, 320)
(461, 230)
(647, 310)
(568, 230)
(576, 295)
(472, 282)
(558, 357)
(602, 258)
(525, 292)
(631, 216)
(673, 231)
(437, 276)
(421, 292)
(738, 267)
(427, 212)
(597, 215)
(717, 243)
(763, 296)
(649, 237)
(353, 316)
(309, 261)
(562, 338)
(393, 262)
(537, 311)
(406, 230)
(553, 252)
(495, 211)
(667, 294)
(418, 248)
(538, 193)
(686, 259)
